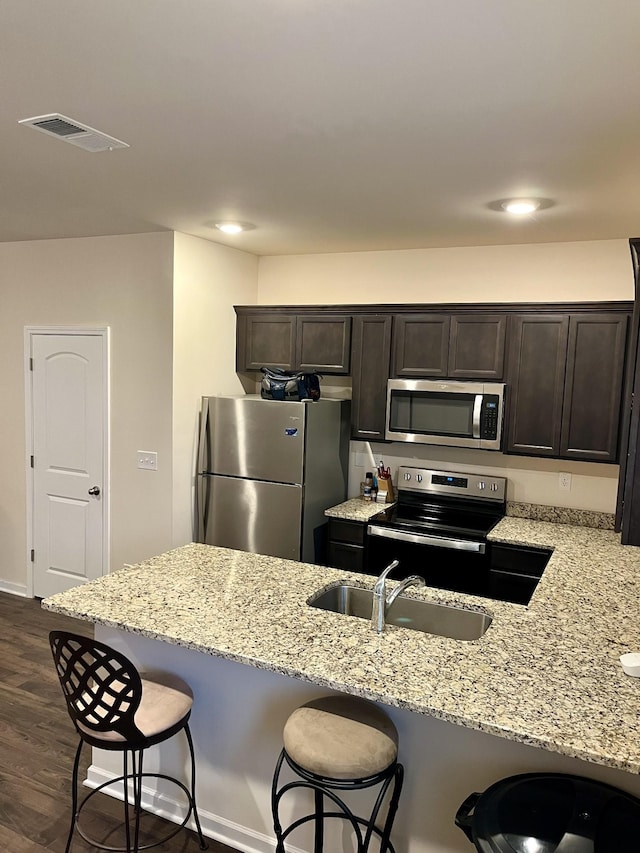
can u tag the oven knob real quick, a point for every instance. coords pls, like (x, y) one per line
(481, 485)
(419, 477)
(407, 476)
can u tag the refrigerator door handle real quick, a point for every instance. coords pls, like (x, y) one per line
(203, 438)
(203, 498)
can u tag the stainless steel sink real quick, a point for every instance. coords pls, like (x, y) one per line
(441, 619)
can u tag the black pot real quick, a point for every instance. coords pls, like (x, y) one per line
(551, 813)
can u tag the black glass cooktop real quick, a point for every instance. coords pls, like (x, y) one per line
(467, 518)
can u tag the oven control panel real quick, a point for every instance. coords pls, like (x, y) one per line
(457, 483)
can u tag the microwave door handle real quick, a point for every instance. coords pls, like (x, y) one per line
(477, 411)
(421, 539)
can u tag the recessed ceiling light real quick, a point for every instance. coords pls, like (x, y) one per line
(520, 206)
(233, 227)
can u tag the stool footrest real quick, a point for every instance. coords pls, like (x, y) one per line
(175, 828)
(322, 787)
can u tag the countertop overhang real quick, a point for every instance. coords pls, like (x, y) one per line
(547, 675)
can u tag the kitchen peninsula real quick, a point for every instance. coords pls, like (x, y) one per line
(468, 713)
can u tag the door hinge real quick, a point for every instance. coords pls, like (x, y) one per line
(32, 461)
(30, 364)
(33, 555)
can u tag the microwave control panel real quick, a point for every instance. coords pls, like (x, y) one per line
(489, 416)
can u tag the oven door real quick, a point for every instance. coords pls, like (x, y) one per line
(445, 562)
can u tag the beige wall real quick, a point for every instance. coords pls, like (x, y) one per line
(125, 283)
(546, 272)
(550, 272)
(209, 280)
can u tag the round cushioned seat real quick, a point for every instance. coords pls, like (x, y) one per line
(166, 700)
(339, 737)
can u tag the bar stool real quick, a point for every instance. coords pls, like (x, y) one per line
(113, 708)
(339, 743)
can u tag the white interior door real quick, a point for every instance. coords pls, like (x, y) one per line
(68, 416)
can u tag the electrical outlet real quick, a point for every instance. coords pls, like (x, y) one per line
(360, 463)
(148, 459)
(564, 482)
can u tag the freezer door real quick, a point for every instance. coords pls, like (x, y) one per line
(255, 438)
(251, 515)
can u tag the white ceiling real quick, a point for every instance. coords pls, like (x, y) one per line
(332, 125)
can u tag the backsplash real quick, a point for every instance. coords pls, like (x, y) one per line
(531, 481)
(561, 515)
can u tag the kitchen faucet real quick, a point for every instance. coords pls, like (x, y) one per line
(382, 602)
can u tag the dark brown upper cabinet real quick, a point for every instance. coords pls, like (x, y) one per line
(323, 343)
(565, 385)
(293, 342)
(458, 346)
(265, 340)
(564, 365)
(476, 347)
(593, 387)
(370, 355)
(537, 359)
(420, 345)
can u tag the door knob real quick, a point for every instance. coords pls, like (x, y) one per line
(94, 490)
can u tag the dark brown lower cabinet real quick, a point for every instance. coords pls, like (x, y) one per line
(346, 545)
(370, 354)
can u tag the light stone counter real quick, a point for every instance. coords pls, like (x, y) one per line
(356, 509)
(546, 675)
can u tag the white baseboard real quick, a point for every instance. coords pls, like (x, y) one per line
(213, 826)
(13, 588)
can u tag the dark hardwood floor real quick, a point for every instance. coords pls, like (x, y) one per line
(38, 743)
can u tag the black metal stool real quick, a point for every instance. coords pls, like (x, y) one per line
(113, 708)
(339, 743)
(551, 813)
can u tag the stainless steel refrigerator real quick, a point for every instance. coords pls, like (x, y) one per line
(267, 470)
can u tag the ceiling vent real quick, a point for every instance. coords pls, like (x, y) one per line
(74, 132)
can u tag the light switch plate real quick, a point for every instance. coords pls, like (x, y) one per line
(148, 459)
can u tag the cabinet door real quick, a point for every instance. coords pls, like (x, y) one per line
(371, 350)
(349, 558)
(265, 340)
(476, 347)
(346, 545)
(420, 345)
(323, 343)
(593, 387)
(537, 359)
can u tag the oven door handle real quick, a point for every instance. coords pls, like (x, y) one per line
(421, 539)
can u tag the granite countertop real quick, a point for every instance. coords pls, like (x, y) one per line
(356, 509)
(547, 674)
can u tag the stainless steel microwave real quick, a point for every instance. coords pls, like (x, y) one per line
(455, 414)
